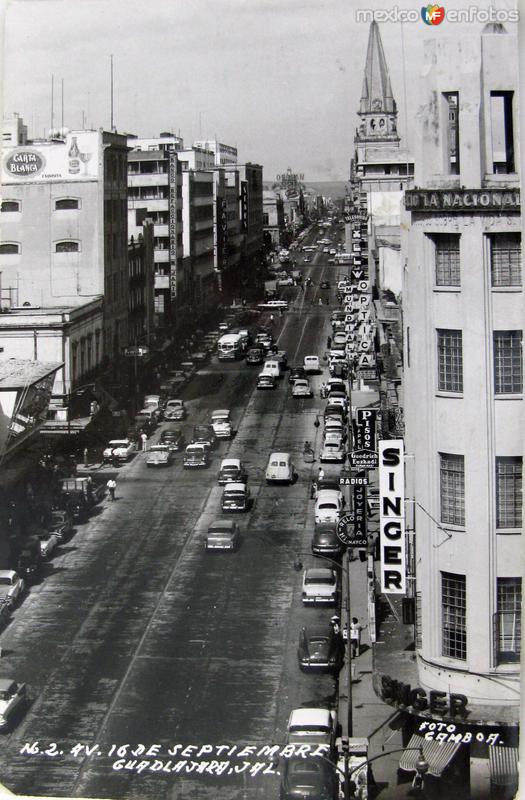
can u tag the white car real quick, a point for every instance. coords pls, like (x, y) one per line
(175, 409)
(319, 586)
(159, 455)
(221, 423)
(11, 586)
(121, 449)
(273, 304)
(285, 281)
(12, 696)
(312, 726)
(311, 364)
(332, 450)
(335, 425)
(48, 543)
(328, 505)
(302, 388)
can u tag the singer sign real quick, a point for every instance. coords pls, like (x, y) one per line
(392, 516)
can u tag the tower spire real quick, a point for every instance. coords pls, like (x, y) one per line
(377, 110)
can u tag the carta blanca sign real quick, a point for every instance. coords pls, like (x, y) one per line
(346, 532)
(392, 516)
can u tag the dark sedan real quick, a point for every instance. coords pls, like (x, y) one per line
(204, 434)
(174, 439)
(308, 779)
(320, 649)
(296, 372)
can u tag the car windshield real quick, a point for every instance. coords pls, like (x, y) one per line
(230, 468)
(238, 492)
(5, 581)
(309, 729)
(327, 580)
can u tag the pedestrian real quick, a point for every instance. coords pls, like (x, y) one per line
(355, 637)
(271, 319)
(86, 454)
(313, 490)
(320, 474)
(112, 485)
(323, 391)
(144, 440)
(335, 622)
(320, 301)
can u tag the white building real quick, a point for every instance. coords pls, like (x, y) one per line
(225, 155)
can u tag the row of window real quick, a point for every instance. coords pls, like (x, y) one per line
(507, 619)
(509, 490)
(505, 259)
(507, 360)
(62, 204)
(65, 246)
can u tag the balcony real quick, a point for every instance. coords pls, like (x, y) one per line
(151, 203)
(162, 281)
(148, 179)
(161, 230)
(161, 255)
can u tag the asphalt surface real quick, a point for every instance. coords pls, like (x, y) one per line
(136, 636)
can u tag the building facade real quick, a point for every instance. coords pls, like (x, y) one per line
(273, 219)
(224, 154)
(199, 287)
(141, 285)
(463, 386)
(227, 230)
(251, 213)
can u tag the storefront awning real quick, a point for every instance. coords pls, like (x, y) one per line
(503, 763)
(436, 754)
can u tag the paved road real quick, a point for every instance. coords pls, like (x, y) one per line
(138, 636)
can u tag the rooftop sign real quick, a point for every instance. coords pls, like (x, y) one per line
(458, 200)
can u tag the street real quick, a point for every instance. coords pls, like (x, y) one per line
(139, 636)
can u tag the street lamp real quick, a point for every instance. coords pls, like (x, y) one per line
(345, 572)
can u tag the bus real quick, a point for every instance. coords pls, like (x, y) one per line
(230, 347)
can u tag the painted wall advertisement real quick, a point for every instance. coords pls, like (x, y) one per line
(76, 158)
(392, 516)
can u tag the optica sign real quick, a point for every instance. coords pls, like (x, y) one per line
(392, 516)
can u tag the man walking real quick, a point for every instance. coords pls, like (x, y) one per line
(144, 440)
(355, 637)
(112, 485)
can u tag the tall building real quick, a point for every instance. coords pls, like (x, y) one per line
(227, 230)
(463, 387)
(251, 212)
(224, 154)
(155, 191)
(198, 291)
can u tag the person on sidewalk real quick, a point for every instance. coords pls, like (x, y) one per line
(144, 440)
(355, 637)
(112, 485)
(320, 474)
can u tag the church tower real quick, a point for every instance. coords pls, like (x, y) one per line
(377, 110)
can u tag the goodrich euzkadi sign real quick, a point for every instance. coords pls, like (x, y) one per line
(392, 516)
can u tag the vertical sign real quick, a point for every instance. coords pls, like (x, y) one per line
(360, 511)
(173, 222)
(366, 429)
(244, 205)
(392, 516)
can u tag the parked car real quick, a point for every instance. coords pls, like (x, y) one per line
(320, 649)
(312, 726)
(288, 281)
(235, 497)
(204, 434)
(222, 535)
(295, 373)
(11, 586)
(28, 564)
(266, 381)
(335, 425)
(232, 471)
(159, 455)
(319, 586)
(147, 417)
(325, 541)
(332, 450)
(273, 304)
(196, 455)
(60, 524)
(221, 423)
(328, 505)
(175, 410)
(48, 543)
(12, 697)
(174, 438)
(119, 449)
(302, 388)
(312, 778)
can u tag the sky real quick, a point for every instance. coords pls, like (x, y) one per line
(279, 79)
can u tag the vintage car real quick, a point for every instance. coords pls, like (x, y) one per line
(12, 697)
(222, 535)
(325, 541)
(119, 449)
(11, 586)
(255, 355)
(159, 455)
(312, 726)
(175, 410)
(312, 778)
(235, 497)
(266, 381)
(295, 373)
(173, 438)
(232, 471)
(311, 364)
(48, 543)
(302, 388)
(332, 450)
(329, 505)
(195, 456)
(320, 649)
(60, 524)
(221, 423)
(319, 586)
(204, 434)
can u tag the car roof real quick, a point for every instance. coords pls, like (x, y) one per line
(327, 494)
(304, 716)
(221, 412)
(279, 454)
(6, 684)
(7, 573)
(230, 462)
(239, 487)
(222, 526)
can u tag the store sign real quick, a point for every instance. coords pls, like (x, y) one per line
(244, 205)
(172, 227)
(366, 419)
(360, 531)
(462, 200)
(346, 532)
(392, 516)
(405, 696)
(367, 360)
(74, 158)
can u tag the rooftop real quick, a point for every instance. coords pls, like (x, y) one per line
(17, 373)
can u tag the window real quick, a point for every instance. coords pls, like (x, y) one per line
(454, 615)
(66, 203)
(452, 132)
(10, 205)
(67, 247)
(507, 632)
(505, 259)
(452, 488)
(450, 360)
(9, 249)
(447, 259)
(509, 496)
(502, 132)
(508, 371)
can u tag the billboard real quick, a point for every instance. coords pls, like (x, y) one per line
(75, 158)
(392, 516)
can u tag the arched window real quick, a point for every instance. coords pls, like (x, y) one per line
(9, 248)
(67, 247)
(10, 205)
(66, 203)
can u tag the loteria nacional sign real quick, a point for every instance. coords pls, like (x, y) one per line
(459, 200)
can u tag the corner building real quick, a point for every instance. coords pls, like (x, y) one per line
(463, 329)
